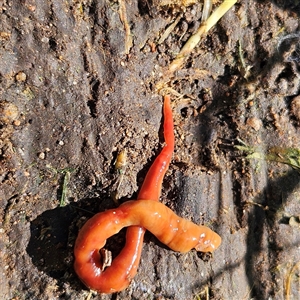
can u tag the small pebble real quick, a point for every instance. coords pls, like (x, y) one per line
(42, 155)
(250, 103)
(17, 122)
(294, 222)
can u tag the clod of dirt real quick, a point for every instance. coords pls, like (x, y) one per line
(8, 112)
(21, 77)
(254, 122)
(295, 108)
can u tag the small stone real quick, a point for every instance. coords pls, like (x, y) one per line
(294, 222)
(17, 123)
(250, 103)
(42, 155)
(45, 40)
(31, 7)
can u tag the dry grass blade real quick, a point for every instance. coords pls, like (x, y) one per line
(207, 7)
(169, 30)
(123, 18)
(64, 189)
(195, 38)
(289, 279)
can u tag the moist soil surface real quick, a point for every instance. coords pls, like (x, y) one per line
(74, 95)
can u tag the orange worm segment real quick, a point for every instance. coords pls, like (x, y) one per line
(175, 232)
(118, 275)
(151, 187)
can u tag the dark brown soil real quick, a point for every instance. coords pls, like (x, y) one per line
(71, 100)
